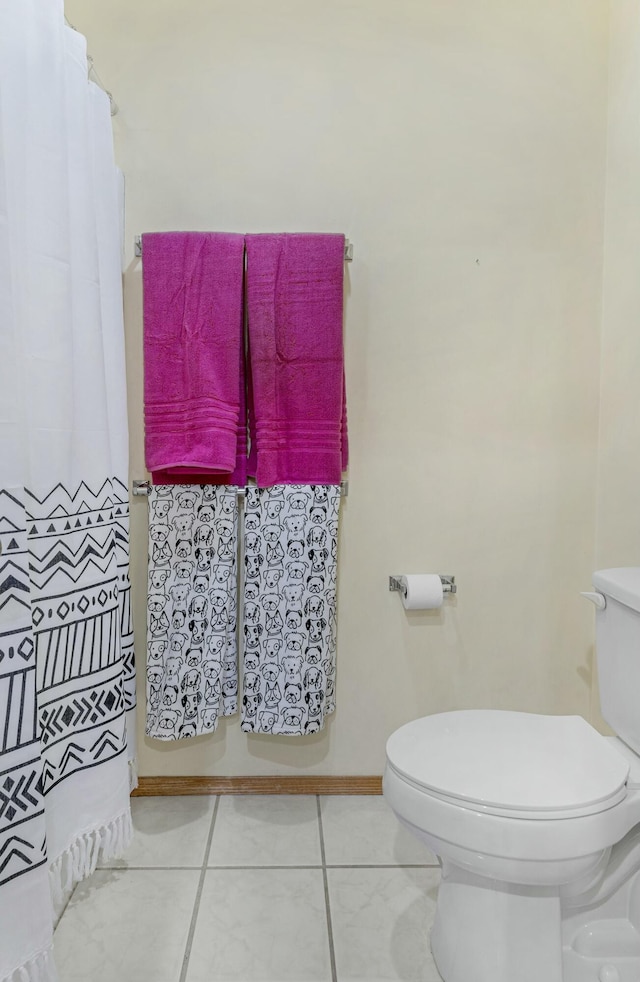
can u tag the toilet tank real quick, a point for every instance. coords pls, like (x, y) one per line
(618, 651)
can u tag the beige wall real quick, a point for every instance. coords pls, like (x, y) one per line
(461, 147)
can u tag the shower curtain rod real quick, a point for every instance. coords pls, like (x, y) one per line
(92, 73)
(348, 248)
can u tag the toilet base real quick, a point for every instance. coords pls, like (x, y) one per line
(508, 932)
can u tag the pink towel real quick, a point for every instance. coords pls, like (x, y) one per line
(297, 396)
(195, 428)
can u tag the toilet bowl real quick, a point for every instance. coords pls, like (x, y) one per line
(522, 811)
(536, 822)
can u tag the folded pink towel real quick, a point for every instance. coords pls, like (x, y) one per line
(298, 403)
(193, 346)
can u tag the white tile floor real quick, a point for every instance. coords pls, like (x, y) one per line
(256, 888)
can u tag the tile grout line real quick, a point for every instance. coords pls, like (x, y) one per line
(124, 869)
(196, 903)
(332, 953)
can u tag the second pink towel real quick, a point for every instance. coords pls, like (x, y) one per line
(298, 404)
(193, 352)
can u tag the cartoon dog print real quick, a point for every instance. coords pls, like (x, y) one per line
(198, 607)
(272, 577)
(203, 556)
(272, 647)
(252, 543)
(252, 522)
(224, 530)
(209, 718)
(311, 726)
(293, 692)
(294, 525)
(267, 720)
(187, 500)
(158, 620)
(200, 583)
(252, 634)
(193, 657)
(226, 552)
(183, 569)
(212, 668)
(209, 492)
(274, 623)
(291, 718)
(161, 551)
(219, 620)
(229, 705)
(215, 643)
(295, 548)
(293, 595)
(274, 507)
(198, 629)
(251, 613)
(296, 571)
(188, 730)
(190, 703)
(157, 648)
(316, 538)
(318, 515)
(221, 573)
(183, 548)
(315, 584)
(203, 536)
(160, 510)
(178, 619)
(168, 720)
(172, 665)
(313, 655)
(179, 593)
(228, 503)
(294, 642)
(313, 678)
(318, 559)
(154, 676)
(206, 513)
(191, 681)
(314, 700)
(314, 607)
(320, 494)
(315, 627)
(178, 641)
(298, 500)
(251, 661)
(251, 682)
(292, 665)
(252, 566)
(212, 692)
(293, 620)
(170, 695)
(275, 554)
(218, 599)
(251, 591)
(183, 525)
(251, 704)
(158, 578)
(154, 698)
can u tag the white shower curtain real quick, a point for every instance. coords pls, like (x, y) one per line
(67, 691)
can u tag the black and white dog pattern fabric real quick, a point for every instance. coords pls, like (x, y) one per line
(289, 627)
(192, 658)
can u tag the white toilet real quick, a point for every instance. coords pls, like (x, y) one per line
(536, 823)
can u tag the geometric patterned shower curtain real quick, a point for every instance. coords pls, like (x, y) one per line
(67, 682)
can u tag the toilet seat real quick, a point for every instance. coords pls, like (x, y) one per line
(517, 765)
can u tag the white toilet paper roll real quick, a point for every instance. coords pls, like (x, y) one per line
(422, 591)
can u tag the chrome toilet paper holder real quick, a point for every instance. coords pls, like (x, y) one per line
(448, 584)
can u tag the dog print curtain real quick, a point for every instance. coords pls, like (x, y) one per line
(289, 611)
(67, 690)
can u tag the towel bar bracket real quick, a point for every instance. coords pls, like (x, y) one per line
(348, 249)
(143, 488)
(448, 584)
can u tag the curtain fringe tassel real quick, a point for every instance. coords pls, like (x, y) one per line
(81, 858)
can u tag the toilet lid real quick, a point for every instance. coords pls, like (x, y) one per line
(511, 762)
